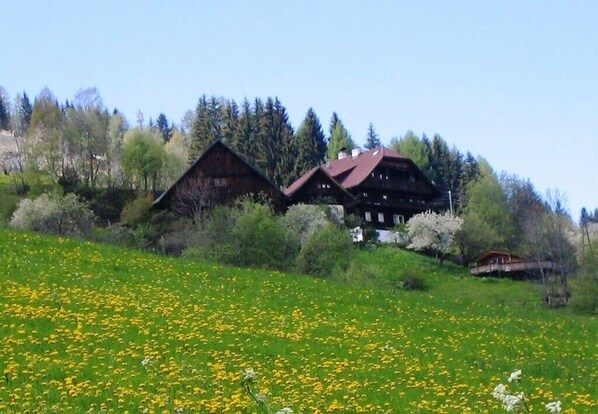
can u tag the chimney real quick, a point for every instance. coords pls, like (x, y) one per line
(341, 155)
(355, 152)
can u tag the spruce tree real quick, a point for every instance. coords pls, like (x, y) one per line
(162, 125)
(203, 133)
(333, 121)
(372, 139)
(339, 140)
(310, 144)
(278, 150)
(244, 142)
(4, 114)
(230, 117)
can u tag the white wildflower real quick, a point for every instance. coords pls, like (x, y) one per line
(554, 407)
(499, 392)
(179, 410)
(146, 362)
(515, 376)
(285, 410)
(512, 402)
(249, 374)
(261, 398)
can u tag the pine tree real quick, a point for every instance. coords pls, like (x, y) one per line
(339, 140)
(203, 132)
(243, 141)
(230, 117)
(278, 150)
(372, 140)
(333, 121)
(162, 126)
(310, 143)
(4, 114)
(25, 110)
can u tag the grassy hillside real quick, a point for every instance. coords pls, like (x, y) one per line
(77, 319)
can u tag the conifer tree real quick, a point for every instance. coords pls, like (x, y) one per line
(339, 140)
(244, 139)
(162, 126)
(203, 132)
(333, 121)
(276, 136)
(230, 117)
(372, 139)
(4, 113)
(310, 143)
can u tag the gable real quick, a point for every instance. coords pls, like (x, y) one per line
(226, 174)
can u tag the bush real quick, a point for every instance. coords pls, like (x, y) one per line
(584, 297)
(411, 282)
(249, 234)
(63, 215)
(137, 211)
(260, 239)
(304, 220)
(327, 250)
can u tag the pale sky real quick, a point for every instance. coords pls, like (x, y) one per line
(513, 81)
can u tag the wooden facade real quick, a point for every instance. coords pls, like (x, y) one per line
(494, 263)
(384, 187)
(218, 177)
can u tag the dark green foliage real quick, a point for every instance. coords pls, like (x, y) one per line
(310, 143)
(106, 203)
(372, 139)
(4, 114)
(248, 234)
(327, 251)
(206, 128)
(277, 146)
(162, 126)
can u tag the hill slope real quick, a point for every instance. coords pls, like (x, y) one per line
(77, 320)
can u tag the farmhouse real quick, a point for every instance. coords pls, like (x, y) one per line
(218, 177)
(495, 263)
(381, 186)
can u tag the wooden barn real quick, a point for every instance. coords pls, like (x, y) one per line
(218, 177)
(381, 186)
(495, 263)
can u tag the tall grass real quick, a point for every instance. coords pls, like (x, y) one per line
(77, 319)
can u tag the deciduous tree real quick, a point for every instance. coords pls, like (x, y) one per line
(434, 232)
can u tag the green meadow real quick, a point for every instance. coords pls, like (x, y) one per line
(92, 328)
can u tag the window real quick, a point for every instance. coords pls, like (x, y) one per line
(398, 219)
(365, 194)
(380, 217)
(220, 182)
(384, 197)
(368, 216)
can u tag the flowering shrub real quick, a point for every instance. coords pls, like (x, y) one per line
(63, 215)
(433, 231)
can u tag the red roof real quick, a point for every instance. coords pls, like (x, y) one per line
(360, 167)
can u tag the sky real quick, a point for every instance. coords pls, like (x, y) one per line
(515, 82)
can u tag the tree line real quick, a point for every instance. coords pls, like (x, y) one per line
(81, 143)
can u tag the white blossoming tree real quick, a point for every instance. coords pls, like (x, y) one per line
(433, 231)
